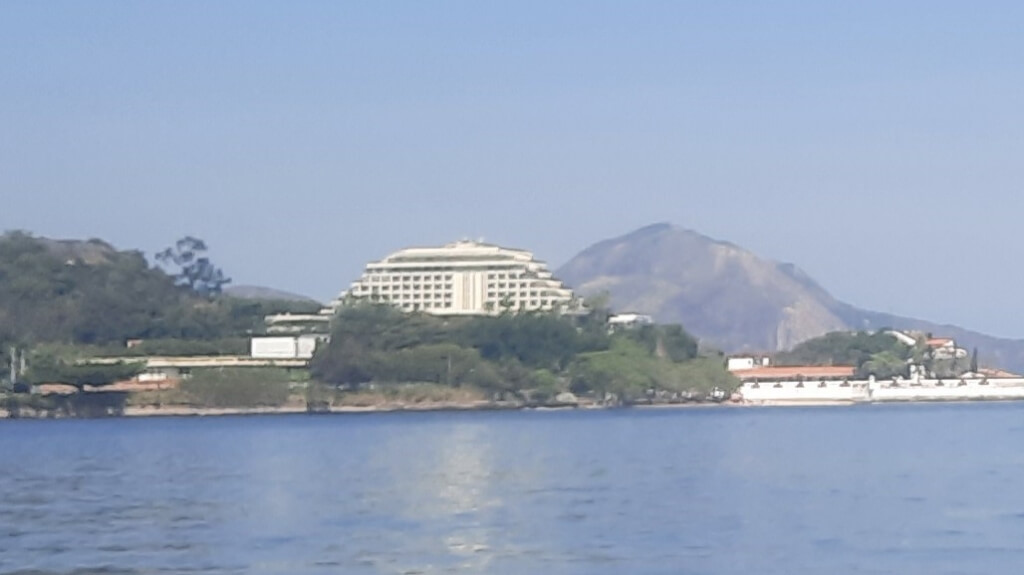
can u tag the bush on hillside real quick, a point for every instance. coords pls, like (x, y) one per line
(238, 387)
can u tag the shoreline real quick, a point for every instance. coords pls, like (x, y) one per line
(295, 409)
(425, 407)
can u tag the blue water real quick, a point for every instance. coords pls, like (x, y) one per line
(904, 489)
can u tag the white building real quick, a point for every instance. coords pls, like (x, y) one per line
(945, 348)
(629, 321)
(285, 347)
(740, 363)
(461, 278)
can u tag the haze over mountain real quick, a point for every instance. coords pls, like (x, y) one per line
(736, 300)
(264, 293)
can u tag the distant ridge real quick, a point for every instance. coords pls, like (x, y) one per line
(266, 293)
(734, 299)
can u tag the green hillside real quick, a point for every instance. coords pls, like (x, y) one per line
(87, 293)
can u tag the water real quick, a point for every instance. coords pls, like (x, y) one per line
(875, 489)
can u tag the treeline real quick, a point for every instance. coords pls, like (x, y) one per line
(873, 353)
(529, 356)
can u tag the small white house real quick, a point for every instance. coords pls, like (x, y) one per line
(285, 347)
(746, 362)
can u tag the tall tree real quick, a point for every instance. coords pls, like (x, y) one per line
(195, 269)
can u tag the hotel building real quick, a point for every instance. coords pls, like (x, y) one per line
(462, 278)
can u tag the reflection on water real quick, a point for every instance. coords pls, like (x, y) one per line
(880, 489)
(443, 486)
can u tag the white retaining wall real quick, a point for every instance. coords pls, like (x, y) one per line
(811, 391)
(877, 391)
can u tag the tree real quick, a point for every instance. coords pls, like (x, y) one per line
(974, 361)
(194, 269)
(848, 348)
(884, 365)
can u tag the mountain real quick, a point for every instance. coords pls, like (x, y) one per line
(264, 293)
(736, 300)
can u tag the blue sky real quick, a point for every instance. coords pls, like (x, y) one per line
(878, 145)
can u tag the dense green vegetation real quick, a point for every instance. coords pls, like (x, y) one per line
(74, 405)
(89, 294)
(874, 353)
(527, 356)
(877, 353)
(49, 369)
(237, 387)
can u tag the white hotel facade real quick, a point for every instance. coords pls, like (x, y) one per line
(461, 278)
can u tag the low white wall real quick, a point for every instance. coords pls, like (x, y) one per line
(951, 393)
(811, 391)
(898, 390)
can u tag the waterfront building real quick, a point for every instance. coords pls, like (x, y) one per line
(462, 278)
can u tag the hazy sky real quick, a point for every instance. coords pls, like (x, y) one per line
(878, 145)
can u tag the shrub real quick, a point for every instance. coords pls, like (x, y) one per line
(239, 387)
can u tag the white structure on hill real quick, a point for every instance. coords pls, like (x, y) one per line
(461, 278)
(629, 321)
(285, 347)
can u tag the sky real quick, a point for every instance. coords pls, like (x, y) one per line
(878, 145)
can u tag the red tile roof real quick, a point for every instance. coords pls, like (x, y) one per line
(796, 371)
(996, 373)
(939, 341)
